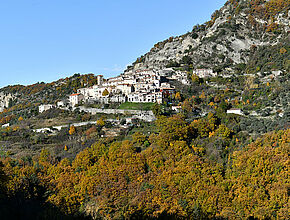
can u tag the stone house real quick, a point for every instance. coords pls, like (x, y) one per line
(43, 108)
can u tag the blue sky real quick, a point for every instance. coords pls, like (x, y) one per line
(44, 40)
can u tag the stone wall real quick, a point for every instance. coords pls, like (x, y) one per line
(142, 115)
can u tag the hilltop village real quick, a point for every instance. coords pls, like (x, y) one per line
(196, 128)
(136, 86)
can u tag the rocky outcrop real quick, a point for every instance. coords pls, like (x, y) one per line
(226, 39)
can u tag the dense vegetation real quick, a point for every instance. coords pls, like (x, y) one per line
(197, 163)
(168, 173)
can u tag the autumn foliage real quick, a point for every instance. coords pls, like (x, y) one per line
(170, 177)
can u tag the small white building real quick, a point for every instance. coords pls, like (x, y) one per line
(176, 108)
(43, 108)
(235, 111)
(61, 103)
(203, 73)
(165, 85)
(6, 125)
(75, 99)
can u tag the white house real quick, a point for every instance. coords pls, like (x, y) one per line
(202, 73)
(154, 97)
(136, 97)
(6, 125)
(235, 111)
(118, 98)
(61, 103)
(165, 85)
(88, 93)
(125, 88)
(145, 97)
(43, 108)
(176, 108)
(75, 99)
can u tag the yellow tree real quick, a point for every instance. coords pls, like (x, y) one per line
(72, 130)
(259, 179)
(283, 50)
(202, 95)
(101, 122)
(138, 138)
(186, 106)
(178, 96)
(195, 78)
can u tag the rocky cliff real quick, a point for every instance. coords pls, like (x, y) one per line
(232, 36)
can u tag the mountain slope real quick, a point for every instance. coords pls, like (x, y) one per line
(229, 38)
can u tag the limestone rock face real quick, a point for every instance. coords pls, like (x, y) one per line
(227, 38)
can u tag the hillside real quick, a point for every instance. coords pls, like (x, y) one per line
(243, 32)
(45, 92)
(216, 145)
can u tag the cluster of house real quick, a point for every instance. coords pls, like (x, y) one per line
(134, 86)
(144, 85)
